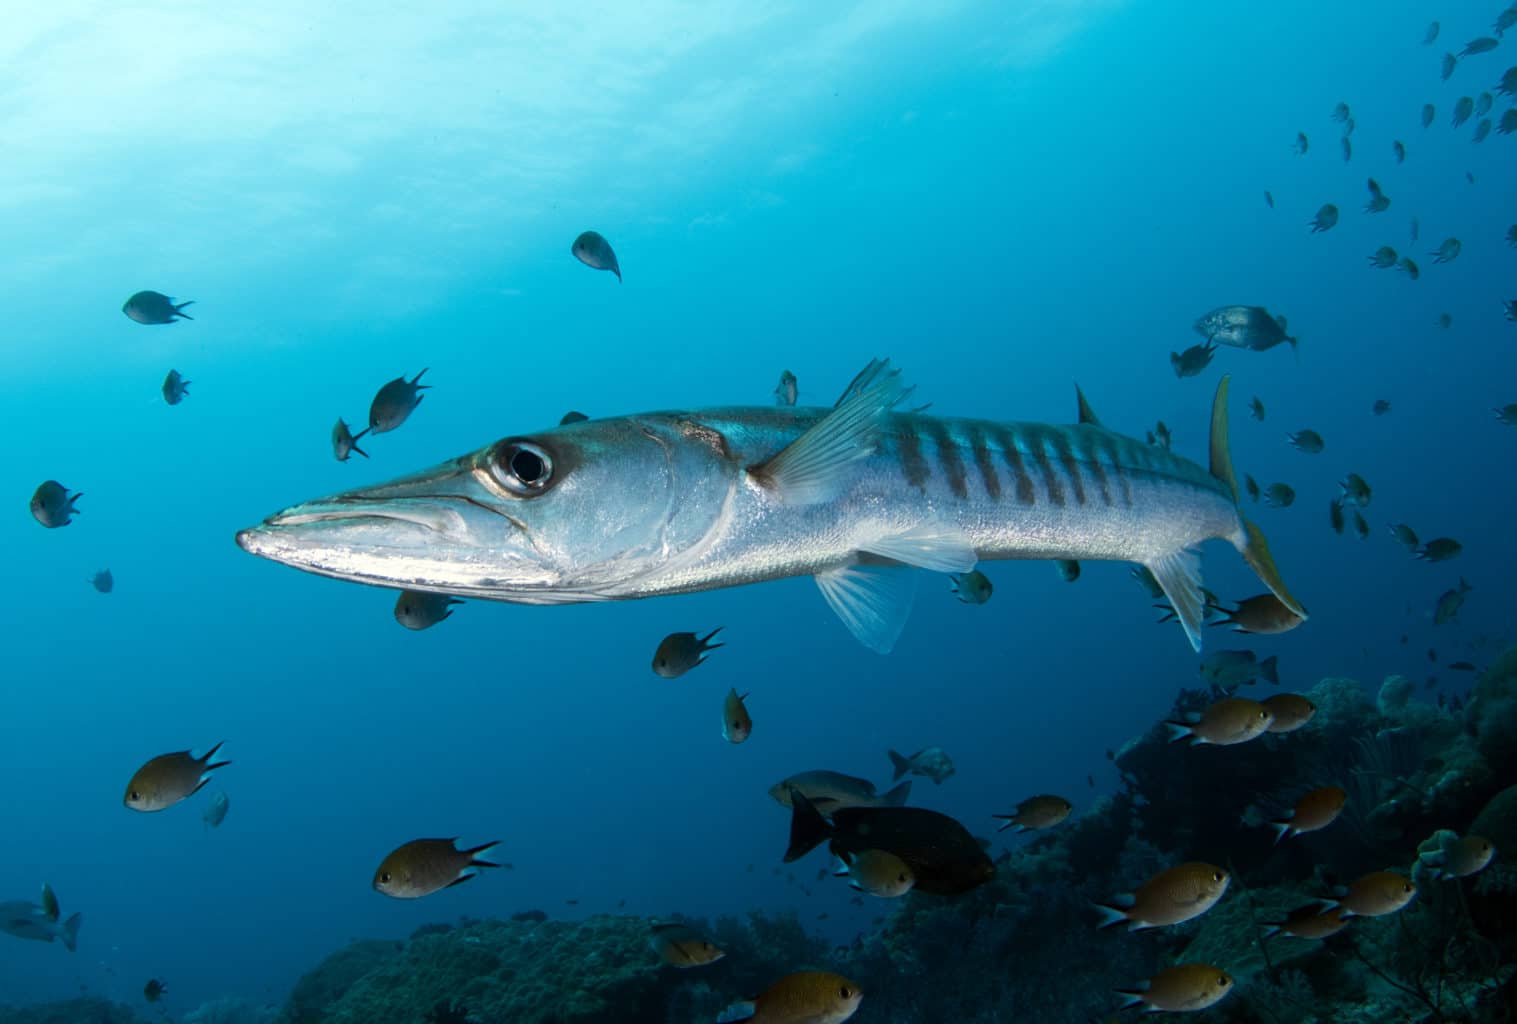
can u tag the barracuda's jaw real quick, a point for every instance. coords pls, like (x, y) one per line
(439, 531)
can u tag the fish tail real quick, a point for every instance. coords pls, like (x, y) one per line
(179, 309)
(1249, 539)
(1270, 931)
(1011, 822)
(1178, 731)
(897, 796)
(416, 378)
(206, 760)
(1282, 830)
(739, 1011)
(902, 765)
(1131, 998)
(808, 829)
(355, 448)
(474, 861)
(706, 643)
(70, 932)
(1110, 916)
(1269, 670)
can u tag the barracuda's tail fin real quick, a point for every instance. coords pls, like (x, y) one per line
(1249, 540)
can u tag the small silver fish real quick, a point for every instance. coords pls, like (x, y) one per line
(1355, 490)
(1508, 122)
(1301, 145)
(678, 653)
(1398, 150)
(1483, 104)
(175, 388)
(1482, 130)
(971, 587)
(1479, 45)
(1409, 267)
(1464, 108)
(215, 811)
(1405, 536)
(1256, 408)
(345, 442)
(1326, 219)
(394, 403)
(1193, 360)
(591, 249)
(1449, 603)
(1440, 549)
(1428, 113)
(932, 762)
(788, 388)
(1449, 63)
(1448, 252)
(52, 505)
(1383, 258)
(1279, 495)
(103, 581)
(1307, 441)
(737, 726)
(1341, 113)
(1430, 35)
(149, 307)
(1379, 202)
(417, 610)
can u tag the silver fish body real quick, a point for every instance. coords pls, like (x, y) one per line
(676, 502)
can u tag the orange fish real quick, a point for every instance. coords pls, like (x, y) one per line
(1185, 891)
(1316, 810)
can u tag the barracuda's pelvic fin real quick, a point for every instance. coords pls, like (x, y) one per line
(809, 469)
(874, 601)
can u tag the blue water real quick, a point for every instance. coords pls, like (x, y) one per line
(1001, 203)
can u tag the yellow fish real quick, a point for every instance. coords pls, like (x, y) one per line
(806, 997)
(1185, 891)
(1037, 812)
(736, 725)
(1181, 989)
(682, 946)
(424, 866)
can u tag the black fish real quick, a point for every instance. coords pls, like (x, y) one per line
(942, 854)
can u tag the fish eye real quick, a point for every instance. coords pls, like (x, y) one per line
(1406, 887)
(134, 795)
(1222, 980)
(845, 992)
(522, 467)
(1216, 876)
(384, 877)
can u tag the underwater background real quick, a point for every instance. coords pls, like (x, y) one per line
(1003, 199)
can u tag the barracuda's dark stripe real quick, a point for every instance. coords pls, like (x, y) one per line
(949, 458)
(982, 459)
(1092, 458)
(1066, 457)
(1033, 434)
(1008, 442)
(909, 448)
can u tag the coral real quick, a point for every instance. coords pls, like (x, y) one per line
(1395, 693)
(232, 1010)
(322, 987)
(72, 1011)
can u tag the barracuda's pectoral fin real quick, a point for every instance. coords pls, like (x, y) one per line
(811, 468)
(1179, 574)
(873, 601)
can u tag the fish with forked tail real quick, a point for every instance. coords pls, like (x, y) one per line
(855, 496)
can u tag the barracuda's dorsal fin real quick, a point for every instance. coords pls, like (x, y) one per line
(1087, 415)
(873, 601)
(1179, 574)
(810, 468)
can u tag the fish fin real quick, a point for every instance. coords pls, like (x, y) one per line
(206, 757)
(1270, 931)
(901, 764)
(1178, 731)
(360, 451)
(1255, 551)
(473, 855)
(873, 601)
(70, 932)
(738, 1012)
(1282, 831)
(809, 469)
(460, 880)
(1110, 916)
(861, 380)
(1179, 575)
(1011, 822)
(416, 378)
(705, 641)
(934, 546)
(897, 796)
(808, 829)
(1131, 999)
(1086, 414)
(1269, 670)
(1221, 451)
(179, 311)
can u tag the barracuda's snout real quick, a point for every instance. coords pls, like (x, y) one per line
(567, 515)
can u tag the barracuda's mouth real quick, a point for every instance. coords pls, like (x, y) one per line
(438, 531)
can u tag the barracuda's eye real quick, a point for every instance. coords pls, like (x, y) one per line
(522, 467)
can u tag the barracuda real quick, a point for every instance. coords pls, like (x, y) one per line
(857, 496)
